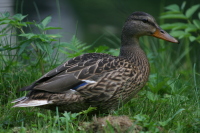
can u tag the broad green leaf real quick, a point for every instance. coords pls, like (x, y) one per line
(39, 46)
(46, 21)
(170, 13)
(23, 24)
(23, 46)
(173, 7)
(54, 35)
(196, 23)
(114, 52)
(19, 17)
(100, 49)
(5, 15)
(198, 38)
(29, 23)
(183, 5)
(167, 26)
(191, 29)
(174, 26)
(180, 34)
(177, 33)
(44, 37)
(51, 28)
(151, 96)
(192, 38)
(19, 24)
(141, 117)
(48, 48)
(42, 25)
(28, 35)
(199, 15)
(5, 22)
(191, 10)
(180, 26)
(173, 16)
(184, 35)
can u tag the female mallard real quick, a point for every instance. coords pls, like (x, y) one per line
(95, 79)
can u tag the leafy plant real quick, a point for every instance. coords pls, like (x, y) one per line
(34, 46)
(73, 48)
(189, 27)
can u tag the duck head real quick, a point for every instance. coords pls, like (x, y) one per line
(140, 24)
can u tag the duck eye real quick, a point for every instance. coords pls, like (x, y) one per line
(145, 20)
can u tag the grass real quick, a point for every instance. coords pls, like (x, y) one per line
(169, 102)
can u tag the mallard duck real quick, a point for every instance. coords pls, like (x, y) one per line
(96, 79)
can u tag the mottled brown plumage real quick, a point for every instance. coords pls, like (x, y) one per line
(98, 80)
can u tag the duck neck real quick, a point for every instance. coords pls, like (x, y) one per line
(130, 47)
(131, 50)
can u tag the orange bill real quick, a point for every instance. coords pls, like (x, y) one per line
(159, 33)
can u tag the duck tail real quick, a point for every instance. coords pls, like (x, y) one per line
(26, 102)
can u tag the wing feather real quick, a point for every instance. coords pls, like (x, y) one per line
(72, 72)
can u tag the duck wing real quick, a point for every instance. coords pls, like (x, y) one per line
(75, 71)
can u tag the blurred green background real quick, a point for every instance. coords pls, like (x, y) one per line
(93, 18)
(99, 22)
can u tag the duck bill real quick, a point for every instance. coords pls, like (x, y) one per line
(159, 33)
